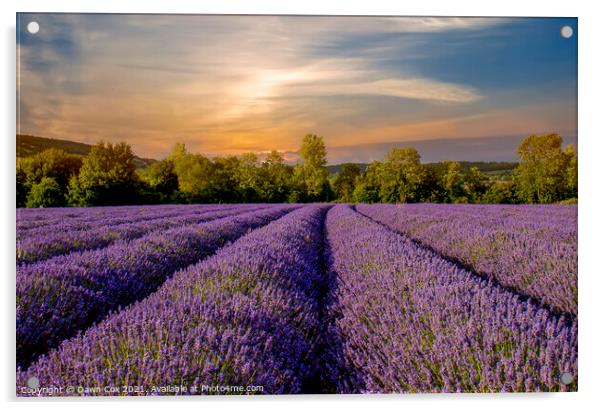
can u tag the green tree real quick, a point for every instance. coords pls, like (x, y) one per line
(107, 177)
(275, 178)
(223, 182)
(44, 194)
(248, 177)
(401, 176)
(22, 187)
(311, 174)
(50, 163)
(431, 187)
(367, 187)
(570, 154)
(53, 163)
(452, 182)
(476, 184)
(542, 171)
(499, 193)
(194, 173)
(344, 182)
(162, 179)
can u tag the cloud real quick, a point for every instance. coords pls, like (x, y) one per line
(412, 88)
(435, 24)
(229, 84)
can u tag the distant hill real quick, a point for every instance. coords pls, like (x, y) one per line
(333, 169)
(28, 145)
(488, 166)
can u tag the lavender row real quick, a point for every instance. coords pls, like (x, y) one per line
(557, 220)
(527, 211)
(60, 242)
(534, 256)
(410, 321)
(59, 297)
(75, 224)
(32, 218)
(248, 315)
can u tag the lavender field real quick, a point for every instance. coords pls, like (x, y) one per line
(293, 299)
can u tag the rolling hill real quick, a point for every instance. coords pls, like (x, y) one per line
(28, 145)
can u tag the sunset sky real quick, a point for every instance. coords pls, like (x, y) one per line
(456, 88)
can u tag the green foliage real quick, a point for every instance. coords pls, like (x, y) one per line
(344, 182)
(443, 182)
(311, 176)
(367, 187)
(107, 177)
(571, 171)
(162, 180)
(431, 188)
(46, 193)
(401, 176)
(223, 182)
(248, 175)
(52, 163)
(275, 178)
(194, 173)
(545, 170)
(313, 151)
(475, 183)
(500, 193)
(22, 187)
(570, 201)
(452, 182)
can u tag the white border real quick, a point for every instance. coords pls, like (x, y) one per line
(590, 240)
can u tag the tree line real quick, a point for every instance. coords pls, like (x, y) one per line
(546, 173)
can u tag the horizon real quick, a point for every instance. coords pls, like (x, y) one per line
(225, 85)
(479, 152)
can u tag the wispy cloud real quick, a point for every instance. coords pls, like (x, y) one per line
(412, 88)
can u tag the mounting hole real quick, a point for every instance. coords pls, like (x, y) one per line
(33, 382)
(33, 27)
(566, 32)
(566, 378)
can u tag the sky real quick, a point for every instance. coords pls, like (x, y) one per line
(455, 88)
